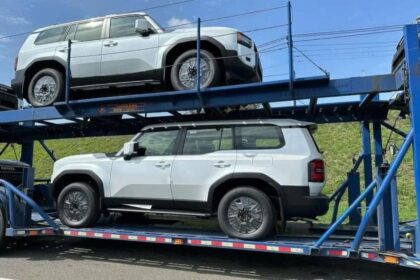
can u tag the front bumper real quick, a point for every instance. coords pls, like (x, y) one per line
(298, 203)
(237, 72)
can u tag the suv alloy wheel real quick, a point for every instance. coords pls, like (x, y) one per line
(78, 205)
(184, 70)
(246, 213)
(46, 88)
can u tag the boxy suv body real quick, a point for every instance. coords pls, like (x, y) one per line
(249, 173)
(130, 50)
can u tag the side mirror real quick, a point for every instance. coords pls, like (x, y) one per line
(132, 149)
(142, 27)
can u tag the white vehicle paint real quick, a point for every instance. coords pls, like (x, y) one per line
(187, 171)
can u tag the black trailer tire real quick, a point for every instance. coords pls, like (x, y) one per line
(49, 90)
(256, 219)
(211, 66)
(3, 223)
(78, 205)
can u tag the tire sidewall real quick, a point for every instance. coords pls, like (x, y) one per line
(214, 76)
(3, 224)
(58, 77)
(92, 213)
(266, 228)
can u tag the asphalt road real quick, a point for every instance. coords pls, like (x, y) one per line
(58, 258)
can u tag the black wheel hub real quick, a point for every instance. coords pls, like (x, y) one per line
(192, 72)
(244, 215)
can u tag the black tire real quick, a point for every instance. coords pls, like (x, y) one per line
(90, 199)
(57, 94)
(214, 69)
(3, 223)
(267, 225)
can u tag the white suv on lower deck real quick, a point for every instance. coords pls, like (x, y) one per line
(249, 173)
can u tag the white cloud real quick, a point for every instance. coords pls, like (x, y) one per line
(7, 17)
(181, 22)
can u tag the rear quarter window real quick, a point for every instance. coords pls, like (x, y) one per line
(259, 137)
(52, 35)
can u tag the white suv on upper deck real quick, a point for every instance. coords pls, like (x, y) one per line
(129, 50)
(250, 173)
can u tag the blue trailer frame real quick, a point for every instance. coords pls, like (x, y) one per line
(90, 117)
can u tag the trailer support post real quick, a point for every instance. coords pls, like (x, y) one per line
(387, 213)
(353, 179)
(412, 57)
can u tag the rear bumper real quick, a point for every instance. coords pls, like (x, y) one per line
(17, 83)
(298, 203)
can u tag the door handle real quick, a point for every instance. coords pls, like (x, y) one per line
(162, 164)
(111, 44)
(63, 50)
(221, 164)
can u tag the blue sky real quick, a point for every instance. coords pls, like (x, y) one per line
(352, 56)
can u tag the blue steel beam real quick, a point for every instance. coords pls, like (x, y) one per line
(215, 97)
(412, 57)
(325, 113)
(384, 186)
(367, 156)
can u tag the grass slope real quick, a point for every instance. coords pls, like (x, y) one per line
(340, 142)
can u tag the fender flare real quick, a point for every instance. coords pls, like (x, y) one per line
(245, 175)
(175, 44)
(89, 173)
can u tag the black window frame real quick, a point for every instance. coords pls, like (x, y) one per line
(238, 138)
(184, 136)
(62, 37)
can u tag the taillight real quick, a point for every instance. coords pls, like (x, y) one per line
(16, 63)
(316, 171)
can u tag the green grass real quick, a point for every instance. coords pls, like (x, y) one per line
(339, 142)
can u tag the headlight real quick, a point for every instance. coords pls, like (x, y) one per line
(244, 40)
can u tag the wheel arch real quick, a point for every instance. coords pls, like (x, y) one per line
(72, 176)
(178, 47)
(39, 64)
(257, 180)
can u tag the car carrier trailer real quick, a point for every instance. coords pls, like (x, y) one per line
(388, 241)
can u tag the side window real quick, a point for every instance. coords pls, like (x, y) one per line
(259, 137)
(158, 143)
(71, 33)
(52, 35)
(89, 31)
(123, 26)
(204, 141)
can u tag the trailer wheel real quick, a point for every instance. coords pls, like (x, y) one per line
(246, 213)
(3, 224)
(78, 205)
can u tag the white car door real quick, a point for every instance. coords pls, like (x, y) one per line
(128, 55)
(207, 156)
(149, 176)
(86, 50)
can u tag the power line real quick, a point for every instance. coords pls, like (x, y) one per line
(346, 36)
(356, 30)
(146, 9)
(313, 62)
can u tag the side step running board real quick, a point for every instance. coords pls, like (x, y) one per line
(117, 85)
(157, 211)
